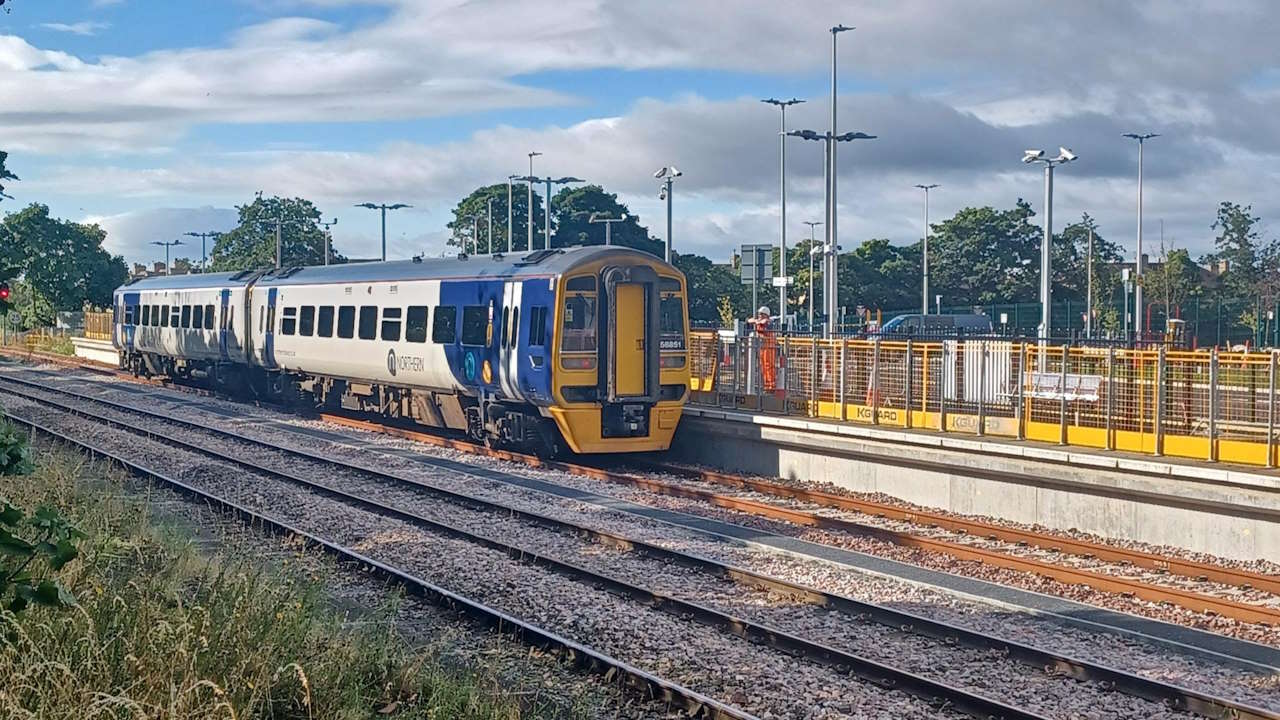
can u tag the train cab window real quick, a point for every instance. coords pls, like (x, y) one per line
(538, 326)
(368, 329)
(347, 321)
(185, 322)
(390, 324)
(578, 331)
(307, 320)
(289, 321)
(475, 324)
(324, 321)
(445, 328)
(415, 324)
(197, 317)
(671, 324)
(208, 317)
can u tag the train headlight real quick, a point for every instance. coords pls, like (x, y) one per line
(578, 363)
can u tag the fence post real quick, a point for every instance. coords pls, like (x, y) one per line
(1271, 409)
(1213, 405)
(982, 388)
(1111, 398)
(1062, 404)
(1159, 401)
(874, 380)
(907, 390)
(1022, 383)
(757, 346)
(942, 388)
(786, 370)
(844, 413)
(813, 376)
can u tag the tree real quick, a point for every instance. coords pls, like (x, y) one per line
(572, 207)
(1071, 263)
(1173, 281)
(251, 245)
(878, 274)
(63, 261)
(477, 205)
(4, 157)
(984, 255)
(710, 285)
(1236, 246)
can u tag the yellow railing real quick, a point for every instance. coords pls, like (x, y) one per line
(1195, 404)
(97, 325)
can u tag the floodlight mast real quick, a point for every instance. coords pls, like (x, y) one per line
(1139, 264)
(782, 203)
(1065, 155)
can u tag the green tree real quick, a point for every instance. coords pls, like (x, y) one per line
(64, 261)
(1236, 246)
(709, 286)
(571, 211)
(4, 157)
(251, 245)
(984, 255)
(477, 205)
(877, 274)
(1175, 279)
(1071, 263)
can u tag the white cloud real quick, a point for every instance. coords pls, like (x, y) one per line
(84, 27)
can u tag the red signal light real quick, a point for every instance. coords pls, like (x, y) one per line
(4, 292)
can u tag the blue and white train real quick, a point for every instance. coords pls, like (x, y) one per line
(584, 348)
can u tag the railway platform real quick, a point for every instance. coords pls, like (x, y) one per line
(1152, 446)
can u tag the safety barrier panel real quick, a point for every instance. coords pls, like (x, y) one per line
(97, 325)
(1195, 404)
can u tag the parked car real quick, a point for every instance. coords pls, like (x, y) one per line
(933, 325)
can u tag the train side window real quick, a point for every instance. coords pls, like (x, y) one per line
(415, 324)
(347, 321)
(307, 320)
(146, 314)
(289, 321)
(174, 315)
(391, 324)
(506, 326)
(324, 321)
(368, 328)
(538, 326)
(208, 317)
(197, 317)
(515, 327)
(445, 328)
(475, 322)
(185, 322)
(578, 333)
(164, 316)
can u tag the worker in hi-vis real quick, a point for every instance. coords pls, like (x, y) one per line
(767, 346)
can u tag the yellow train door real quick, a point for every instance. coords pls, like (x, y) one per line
(629, 324)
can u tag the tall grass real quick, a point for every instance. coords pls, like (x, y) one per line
(165, 629)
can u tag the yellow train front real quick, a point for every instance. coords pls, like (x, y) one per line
(620, 366)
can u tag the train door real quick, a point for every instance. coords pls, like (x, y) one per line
(631, 350)
(509, 342)
(223, 322)
(269, 334)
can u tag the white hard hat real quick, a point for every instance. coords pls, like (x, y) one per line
(764, 310)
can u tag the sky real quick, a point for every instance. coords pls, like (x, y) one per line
(158, 117)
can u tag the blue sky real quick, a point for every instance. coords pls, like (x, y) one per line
(158, 117)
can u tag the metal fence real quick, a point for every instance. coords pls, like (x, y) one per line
(1208, 405)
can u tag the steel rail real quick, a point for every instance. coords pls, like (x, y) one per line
(1110, 553)
(888, 677)
(1173, 696)
(651, 687)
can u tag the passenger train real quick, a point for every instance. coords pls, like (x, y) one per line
(583, 348)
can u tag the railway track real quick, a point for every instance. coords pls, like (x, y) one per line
(934, 692)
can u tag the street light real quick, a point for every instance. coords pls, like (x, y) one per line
(599, 217)
(531, 179)
(475, 235)
(829, 296)
(1142, 138)
(204, 258)
(782, 204)
(832, 277)
(924, 302)
(547, 215)
(667, 175)
(167, 269)
(1046, 280)
(384, 208)
(488, 224)
(328, 238)
(814, 249)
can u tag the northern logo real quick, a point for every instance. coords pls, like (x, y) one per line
(391, 361)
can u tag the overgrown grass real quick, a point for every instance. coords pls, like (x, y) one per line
(167, 630)
(57, 344)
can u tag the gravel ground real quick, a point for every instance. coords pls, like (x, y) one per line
(762, 681)
(1104, 649)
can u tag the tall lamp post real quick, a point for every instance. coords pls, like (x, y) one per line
(1046, 279)
(667, 175)
(599, 217)
(832, 276)
(168, 270)
(384, 208)
(829, 295)
(488, 224)
(546, 216)
(814, 249)
(328, 238)
(782, 203)
(1138, 314)
(924, 293)
(204, 256)
(531, 179)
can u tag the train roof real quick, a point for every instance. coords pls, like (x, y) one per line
(538, 263)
